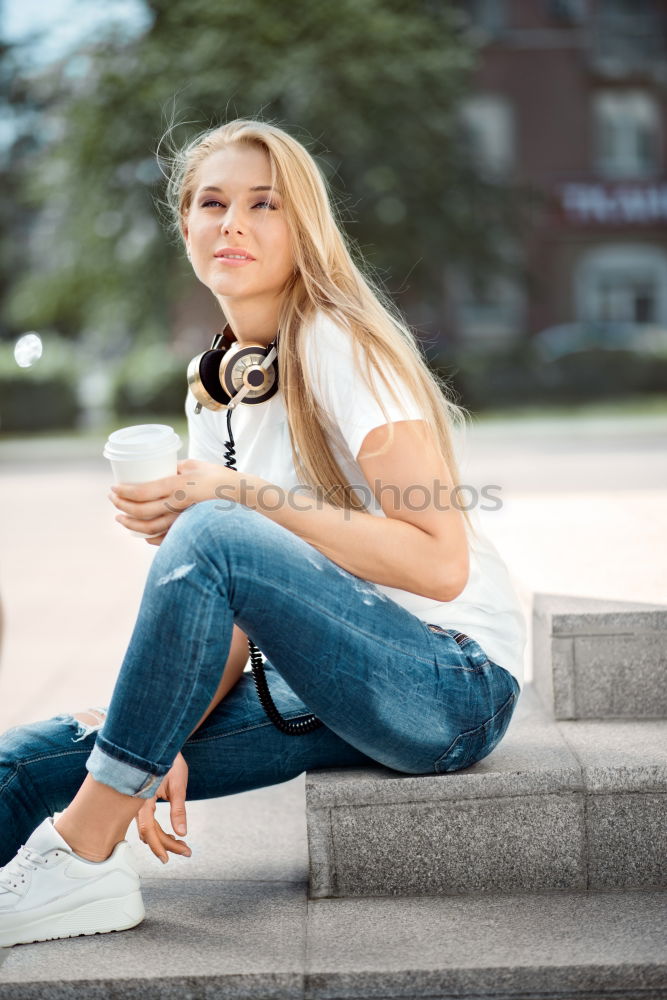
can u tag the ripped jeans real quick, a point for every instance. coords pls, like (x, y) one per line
(389, 688)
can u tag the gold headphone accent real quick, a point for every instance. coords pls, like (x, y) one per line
(249, 374)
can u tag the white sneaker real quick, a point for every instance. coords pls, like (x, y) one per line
(47, 891)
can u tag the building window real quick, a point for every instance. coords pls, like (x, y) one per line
(626, 134)
(487, 123)
(622, 283)
(567, 11)
(485, 16)
(627, 37)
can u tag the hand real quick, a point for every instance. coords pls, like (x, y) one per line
(154, 506)
(173, 789)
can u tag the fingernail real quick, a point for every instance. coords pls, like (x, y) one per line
(163, 860)
(180, 828)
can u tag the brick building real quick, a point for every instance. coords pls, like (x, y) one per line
(570, 96)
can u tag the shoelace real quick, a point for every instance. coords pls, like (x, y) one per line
(12, 877)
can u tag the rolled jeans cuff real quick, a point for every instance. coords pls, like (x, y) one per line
(127, 773)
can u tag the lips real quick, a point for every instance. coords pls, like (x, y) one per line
(233, 253)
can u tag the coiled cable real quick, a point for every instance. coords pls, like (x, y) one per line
(293, 727)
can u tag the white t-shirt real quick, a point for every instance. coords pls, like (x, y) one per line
(488, 609)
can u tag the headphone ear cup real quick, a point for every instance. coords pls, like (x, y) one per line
(217, 376)
(204, 380)
(243, 370)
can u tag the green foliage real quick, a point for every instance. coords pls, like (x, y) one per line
(371, 86)
(150, 380)
(501, 378)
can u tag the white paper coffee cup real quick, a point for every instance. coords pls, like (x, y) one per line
(142, 453)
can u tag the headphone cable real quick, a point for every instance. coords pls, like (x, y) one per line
(293, 727)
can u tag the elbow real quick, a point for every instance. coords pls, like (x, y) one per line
(455, 581)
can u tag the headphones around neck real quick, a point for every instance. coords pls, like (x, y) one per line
(249, 375)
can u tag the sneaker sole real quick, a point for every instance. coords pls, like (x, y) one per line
(100, 917)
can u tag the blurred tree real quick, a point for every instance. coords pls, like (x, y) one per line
(371, 86)
(19, 106)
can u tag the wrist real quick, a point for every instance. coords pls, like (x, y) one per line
(223, 485)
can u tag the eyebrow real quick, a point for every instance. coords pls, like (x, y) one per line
(261, 187)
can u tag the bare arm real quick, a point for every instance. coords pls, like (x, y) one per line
(420, 547)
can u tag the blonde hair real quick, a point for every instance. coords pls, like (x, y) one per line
(325, 279)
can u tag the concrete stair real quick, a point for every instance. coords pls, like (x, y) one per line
(253, 940)
(568, 813)
(557, 806)
(597, 659)
(573, 798)
(537, 874)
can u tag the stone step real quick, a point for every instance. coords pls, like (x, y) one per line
(556, 807)
(253, 940)
(595, 659)
(235, 921)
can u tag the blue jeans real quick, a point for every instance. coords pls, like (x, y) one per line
(389, 688)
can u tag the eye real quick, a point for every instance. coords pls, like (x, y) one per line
(212, 202)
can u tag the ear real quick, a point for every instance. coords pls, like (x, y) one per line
(186, 237)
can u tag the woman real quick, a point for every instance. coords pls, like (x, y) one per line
(340, 548)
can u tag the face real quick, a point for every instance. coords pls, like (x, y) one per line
(233, 209)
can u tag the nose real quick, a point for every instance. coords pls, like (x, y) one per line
(231, 222)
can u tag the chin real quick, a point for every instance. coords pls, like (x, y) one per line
(232, 286)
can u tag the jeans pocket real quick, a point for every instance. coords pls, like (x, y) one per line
(471, 747)
(472, 656)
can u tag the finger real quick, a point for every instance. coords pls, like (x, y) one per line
(152, 834)
(157, 540)
(147, 808)
(155, 526)
(174, 845)
(177, 812)
(166, 842)
(145, 819)
(156, 489)
(145, 509)
(154, 841)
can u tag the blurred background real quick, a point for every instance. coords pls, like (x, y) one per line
(500, 164)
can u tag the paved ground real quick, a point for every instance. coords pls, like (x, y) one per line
(584, 512)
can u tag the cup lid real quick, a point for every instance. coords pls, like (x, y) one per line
(141, 441)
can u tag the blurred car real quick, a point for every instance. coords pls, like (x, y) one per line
(641, 339)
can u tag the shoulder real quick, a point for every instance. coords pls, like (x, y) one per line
(327, 340)
(326, 330)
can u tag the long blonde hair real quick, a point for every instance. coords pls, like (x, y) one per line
(325, 279)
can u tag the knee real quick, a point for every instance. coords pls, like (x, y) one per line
(37, 741)
(42, 766)
(213, 536)
(22, 745)
(90, 721)
(17, 745)
(214, 523)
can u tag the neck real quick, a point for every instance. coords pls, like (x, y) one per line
(254, 322)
